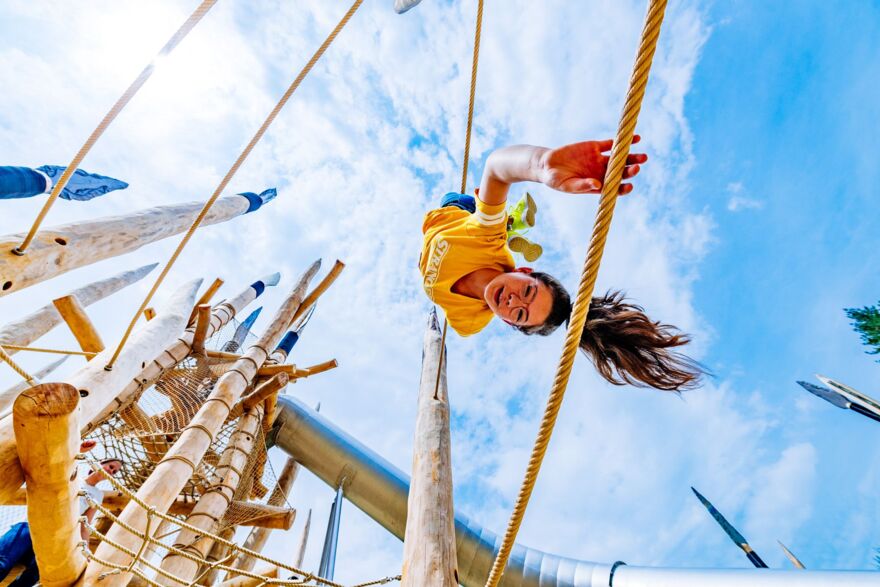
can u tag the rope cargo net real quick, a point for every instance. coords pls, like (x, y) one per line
(139, 433)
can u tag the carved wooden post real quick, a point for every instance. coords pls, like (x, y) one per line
(97, 387)
(429, 543)
(47, 434)
(24, 331)
(176, 468)
(59, 249)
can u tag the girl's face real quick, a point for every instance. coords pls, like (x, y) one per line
(518, 298)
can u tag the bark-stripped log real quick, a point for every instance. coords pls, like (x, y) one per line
(258, 537)
(26, 330)
(7, 396)
(47, 434)
(84, 331)
(178, 350)
(429, 556)
(173, 472)
(98, 387)
(267, 572)
(303, 542)
(59, 249)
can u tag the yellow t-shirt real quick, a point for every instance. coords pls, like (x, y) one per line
(457, 243)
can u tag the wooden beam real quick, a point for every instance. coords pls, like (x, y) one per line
(429, 556)
(315, 369)
(258, 537)
(268, 572)
(174, 471)
(22, 332)
(303, 541)
(98, 388)
(47, 434)
(222, 355)
(203, 320)
(80, 324)
(205, 299)
(319, 290)
(272, 370)
(59, 249)
(258, 515)
(261, 392)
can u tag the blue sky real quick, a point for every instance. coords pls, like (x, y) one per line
(751, 228)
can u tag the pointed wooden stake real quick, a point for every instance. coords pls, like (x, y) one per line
(429, 556)
(319, 290)
(80, 324)
(203, 320)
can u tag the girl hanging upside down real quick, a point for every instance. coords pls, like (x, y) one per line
(468, 270)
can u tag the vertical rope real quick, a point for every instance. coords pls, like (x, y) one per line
(613, 176)
(467, 153)
(4, 356)
(470, 118)
(123, 100)
(232, 170)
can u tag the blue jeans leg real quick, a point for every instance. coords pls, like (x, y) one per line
(30, 576)
(463, 201)
(15, 547)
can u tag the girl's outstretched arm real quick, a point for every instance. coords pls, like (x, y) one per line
(577, 168)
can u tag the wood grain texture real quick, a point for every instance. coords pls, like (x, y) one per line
(84, 331)
(59, 249)
(176, 468)
(7, 396)
(24, 331)
(429, 556)
(97, 387)
(47, 435)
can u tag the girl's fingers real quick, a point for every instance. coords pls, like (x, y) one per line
(607, 144)
(630, 171)
(625, 188)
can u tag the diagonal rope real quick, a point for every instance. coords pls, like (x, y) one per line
(121, 103)
(232, 170)
(4, 356)
(467, 153)
(613, 176)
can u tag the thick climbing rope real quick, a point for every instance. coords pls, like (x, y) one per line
(147, 538)
(475, 61)
(232, 171)
(613, 176)
(123, 100)
(4, 356)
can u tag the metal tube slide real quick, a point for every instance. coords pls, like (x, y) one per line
(380, 490)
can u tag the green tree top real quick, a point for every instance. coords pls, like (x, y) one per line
(866, 321)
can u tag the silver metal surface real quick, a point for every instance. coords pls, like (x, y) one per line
(380, 490)
(327, 568)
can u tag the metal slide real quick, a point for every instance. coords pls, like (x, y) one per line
(380, 490)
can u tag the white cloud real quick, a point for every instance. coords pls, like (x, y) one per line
(373, 136)
(738, 202)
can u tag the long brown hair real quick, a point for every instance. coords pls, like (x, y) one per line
(624, 344)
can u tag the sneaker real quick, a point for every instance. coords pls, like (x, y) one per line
(528, 249)
(522, 214)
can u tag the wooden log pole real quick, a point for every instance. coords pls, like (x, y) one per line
(59, 249)
(266, 571)
(260, 516)
(177, 351)
(47, 435)
(24, 331)
(303, 542)
(80, 324)
(258, 537)
(315, 369)
(176, 468)
(319, 290)
(429, 556)
(97, 387)
(8, 396)
(259, 394)
(205, 298)
(203, 322)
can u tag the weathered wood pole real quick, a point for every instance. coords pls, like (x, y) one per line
(24, 331)
(203, 321)
(47, 434)
(177, 351)
(258, 537)
(8, 396)
(429, 556)
(97, 388)
(176, 468)
(303, 542)
(268, 572)
(84, 331)
(59, 249)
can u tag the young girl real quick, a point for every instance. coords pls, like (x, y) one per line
(468, 270)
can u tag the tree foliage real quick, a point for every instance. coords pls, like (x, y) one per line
(866, 321)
